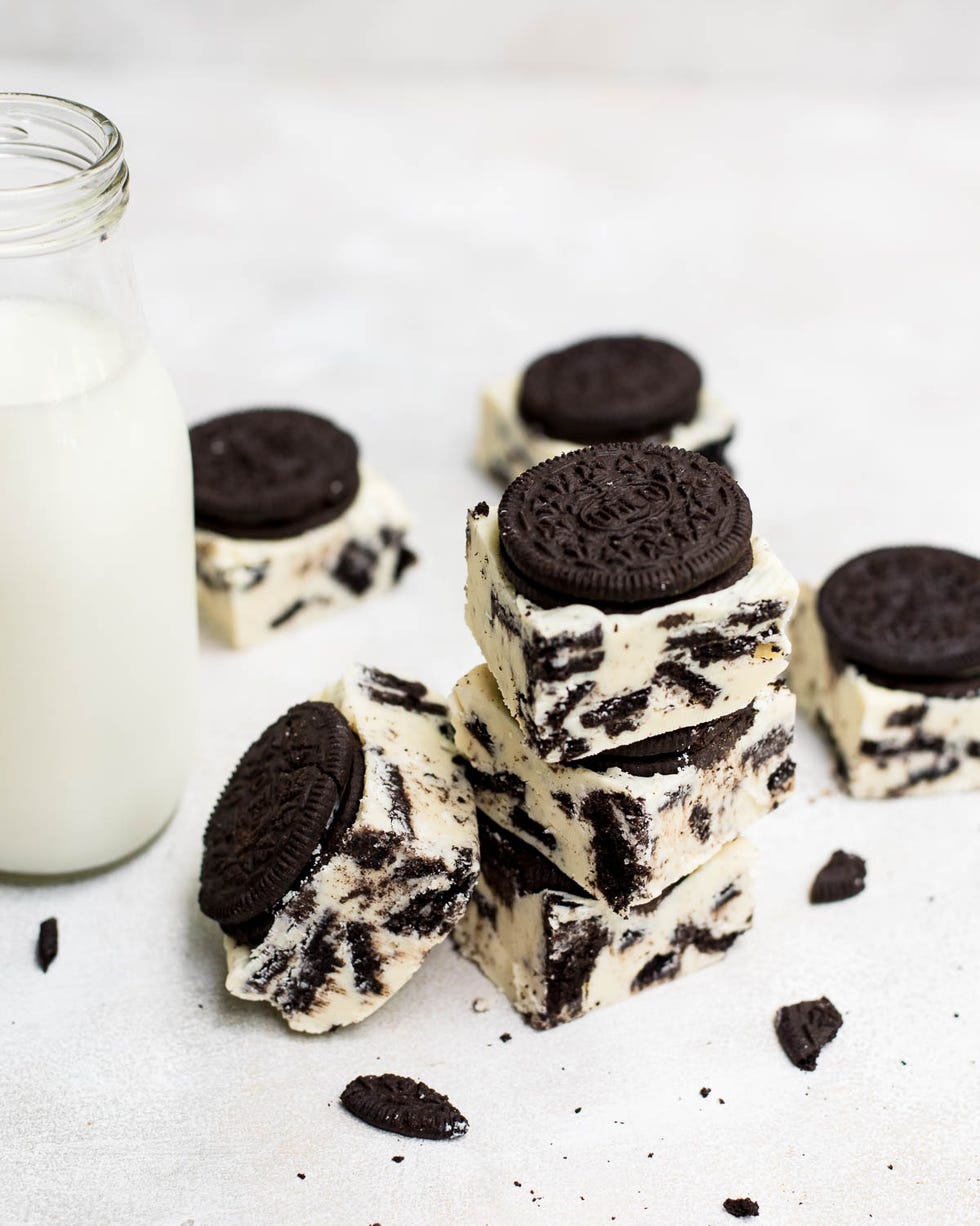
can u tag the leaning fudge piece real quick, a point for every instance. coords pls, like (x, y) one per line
(619, 594)
(603, 390)
(886, 659)
(556, 953)
(289, 522)
(626, 824)
(342, 850)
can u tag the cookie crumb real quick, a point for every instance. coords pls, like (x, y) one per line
(300, 1175)
(47, 943)
(741, 1206)
(705, 1091)
(505, 1037)
(398, 1157)
(481, 1005)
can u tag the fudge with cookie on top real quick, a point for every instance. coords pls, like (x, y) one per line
(342, 850)
(886, 659)
(601, 390)
(290, 523)
(618, 592)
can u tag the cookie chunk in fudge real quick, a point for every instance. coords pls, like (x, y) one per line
(619, 593)
(556, 953)
(343, 848)
(627, 823)
(290, 522)
(886, 659)
(602, 390)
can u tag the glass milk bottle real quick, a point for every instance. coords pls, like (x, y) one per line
(98, 634)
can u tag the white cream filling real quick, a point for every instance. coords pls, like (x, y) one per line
(245, 587)
(507, 445)
(907, 724)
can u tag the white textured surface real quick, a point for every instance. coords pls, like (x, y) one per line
(379, 252)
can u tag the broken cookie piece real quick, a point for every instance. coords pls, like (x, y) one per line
(290, 523)
(805, 1029)
(557, 953)
(627, 823)
(342, 850)
(404, 1106)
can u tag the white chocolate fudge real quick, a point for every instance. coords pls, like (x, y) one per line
(507, 445)
(357, 925)
(557, 954)
(623, 837)
(888, 742)
(578, 680)
(249, 588)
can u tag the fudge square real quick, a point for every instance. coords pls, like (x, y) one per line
(343, 849)
(557, 953)
(886, 660)
(626, 824)
(606, 389)
(619, 593)
(290, 523)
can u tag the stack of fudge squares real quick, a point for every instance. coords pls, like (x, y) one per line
(629, 723)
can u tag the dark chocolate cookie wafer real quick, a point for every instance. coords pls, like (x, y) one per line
(668, 752)
(296, 789)
(609, 389)
(404, 1105)
(841, 877)
(624, 526)
(805, 1029)
(910, 611)
(264, 474)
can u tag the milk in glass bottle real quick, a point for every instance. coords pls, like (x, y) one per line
(97, 607)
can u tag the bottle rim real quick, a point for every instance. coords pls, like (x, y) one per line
(61, 209)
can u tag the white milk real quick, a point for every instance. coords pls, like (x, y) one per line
(97, 608)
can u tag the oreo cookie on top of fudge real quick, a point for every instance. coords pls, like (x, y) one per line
(888, 663)
(619, 592)
(599, 390)
(343, 848)
(290, 522)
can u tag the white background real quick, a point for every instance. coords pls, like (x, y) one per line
(375, 244)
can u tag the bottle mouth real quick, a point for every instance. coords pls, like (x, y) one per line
(63, 178)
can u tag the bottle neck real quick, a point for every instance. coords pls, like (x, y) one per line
(63, 177)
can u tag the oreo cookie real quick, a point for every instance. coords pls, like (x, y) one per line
(667, 752)
(404, 1105)
(293, 794)
(265, 474)
(624, 526)
(907, 616)
(841, 877)
(805, 1029)
(610, 389)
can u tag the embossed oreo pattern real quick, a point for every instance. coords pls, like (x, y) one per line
(909, 611)
(623, 524)
(610, 388)
(298, 782)
(264, 474)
